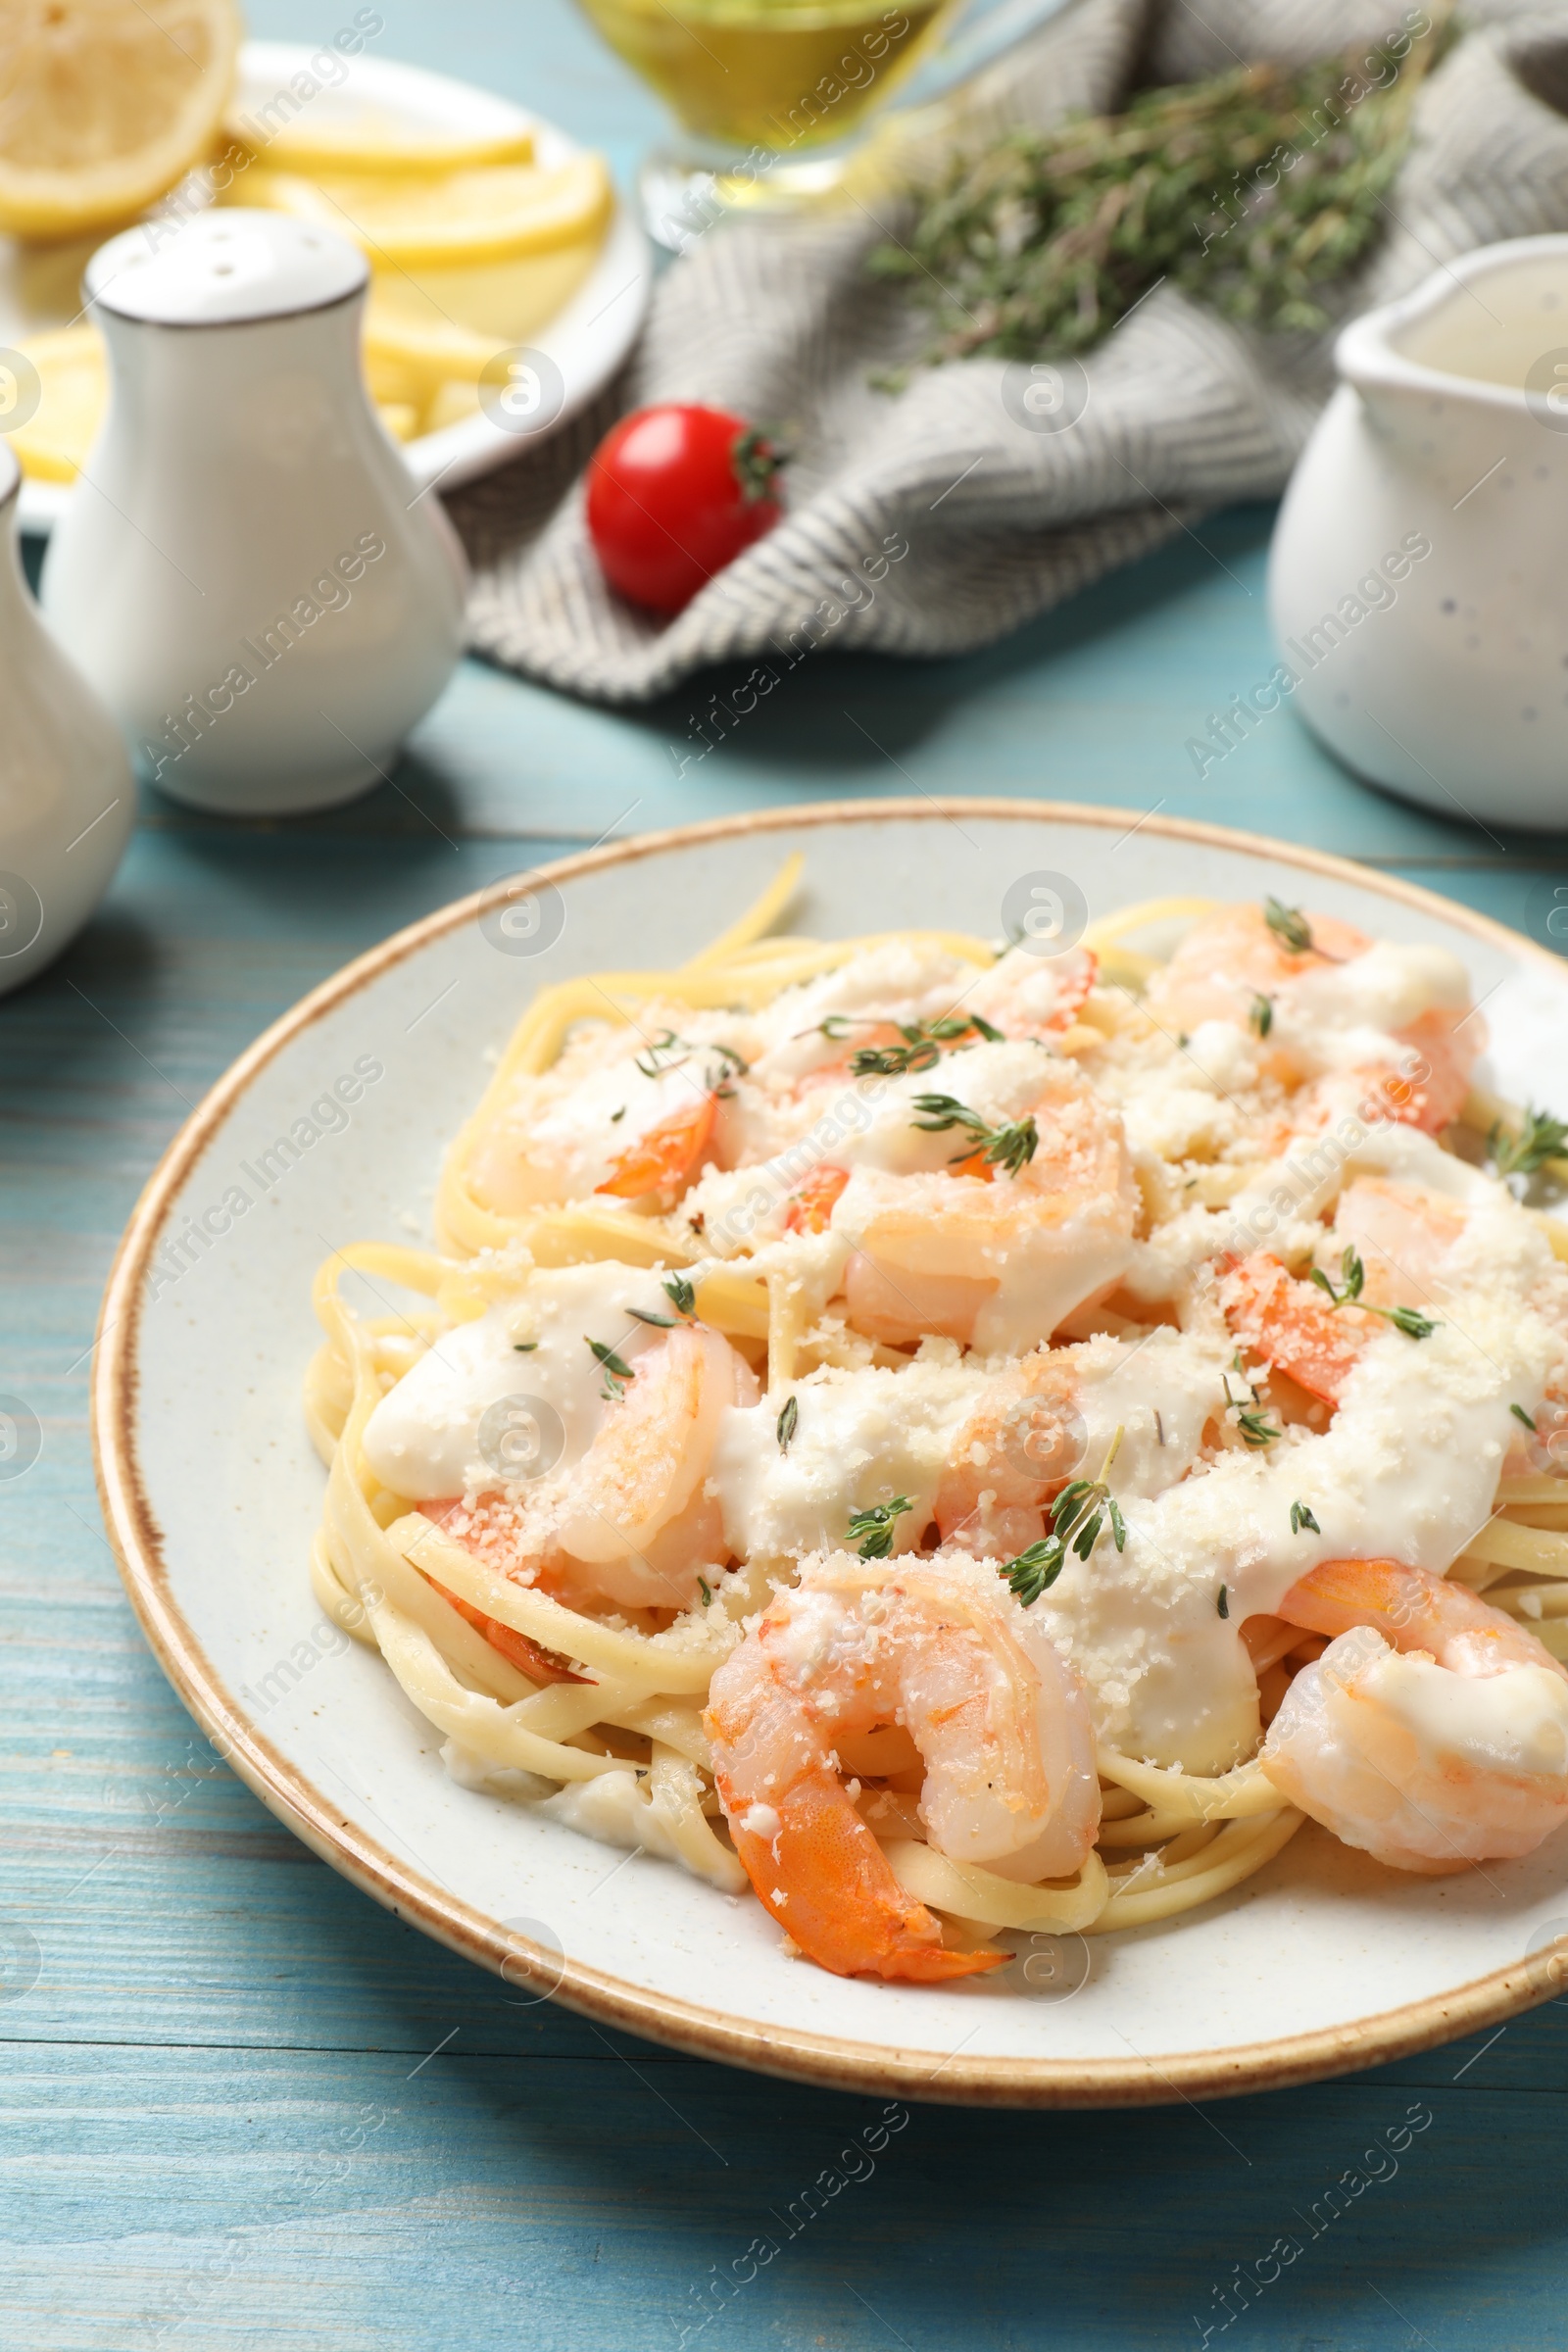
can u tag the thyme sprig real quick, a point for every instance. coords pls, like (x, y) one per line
(1541, 1137)
(659, 1050)
(1008, 1148)
(1252, 1424)
(682, 1298)
(1077, 1520)
(662, 1049)
(1353, 1277)
(922, 1045)
(872, 1529)
(1253, 191)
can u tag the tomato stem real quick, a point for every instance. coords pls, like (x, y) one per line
(758, 461)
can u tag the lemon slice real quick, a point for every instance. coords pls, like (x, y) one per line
(372, 142)
(105, 103)
(73, 386)
(410, 361)
(454, 218)
(73, 379)
(400, 416)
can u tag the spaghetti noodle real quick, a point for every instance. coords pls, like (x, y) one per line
(855, 1341)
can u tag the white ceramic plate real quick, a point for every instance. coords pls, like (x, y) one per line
(587, 339)
(212, 1491)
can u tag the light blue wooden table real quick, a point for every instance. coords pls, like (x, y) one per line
(245, 2108)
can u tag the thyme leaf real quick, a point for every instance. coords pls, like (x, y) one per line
(872, 1529)
(646, 1315)
(1519, 1415)
(658, 1052)
(922, 1045)
(1036, 1570)
(1008, 1148)
(1224, 1602)
(1301, 1517)
(1541, 1137)
(1353, 1277)
(788, 1421)
(615, 1370)
(1261, 1020)
(1077, 1522)
(1289, 925)
(682, 1298)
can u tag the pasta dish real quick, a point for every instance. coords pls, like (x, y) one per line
(961, 1439)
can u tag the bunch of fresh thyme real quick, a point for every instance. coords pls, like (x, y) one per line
(1251, 191)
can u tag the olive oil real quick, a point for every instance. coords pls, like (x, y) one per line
(774, 75)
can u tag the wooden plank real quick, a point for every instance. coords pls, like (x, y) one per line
(244, 2107)
(223, 2199)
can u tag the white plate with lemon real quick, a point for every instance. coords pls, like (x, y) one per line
(488, 231)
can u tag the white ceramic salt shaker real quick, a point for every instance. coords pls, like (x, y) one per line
(245, 571)
(67, 796)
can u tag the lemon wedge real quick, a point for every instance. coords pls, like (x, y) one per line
(450, 218)
(372, 142)
(105, 104)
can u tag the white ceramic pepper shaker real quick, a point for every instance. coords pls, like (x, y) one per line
(67, 796)
(245, 571)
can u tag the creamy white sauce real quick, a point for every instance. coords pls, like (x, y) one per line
(860, 1437)
(1407, 1470)
(422, 1439)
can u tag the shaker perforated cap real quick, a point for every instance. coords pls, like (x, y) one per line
(223, 268)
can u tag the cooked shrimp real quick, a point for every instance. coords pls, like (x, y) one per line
(1291, 1327)
(1399, 1233)
(1395, 1019)
(1000, 1719)
(633, 1524)
(813, 1200)
(1020, 1445)
(996, 1260)
(665, 1157)
(1433, 1732)
(631, 1112)
(1402, 1233)
(1028, 995)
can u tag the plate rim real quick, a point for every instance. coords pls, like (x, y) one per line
(700, 2029)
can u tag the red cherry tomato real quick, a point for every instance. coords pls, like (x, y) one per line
(674, 494)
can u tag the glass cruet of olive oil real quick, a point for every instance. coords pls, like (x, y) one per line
(772, 97)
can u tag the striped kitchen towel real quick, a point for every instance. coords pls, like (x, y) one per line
(933, 519)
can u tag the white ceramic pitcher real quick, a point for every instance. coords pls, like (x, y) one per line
(245, 571)
(1417, 581)
(67, 796)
